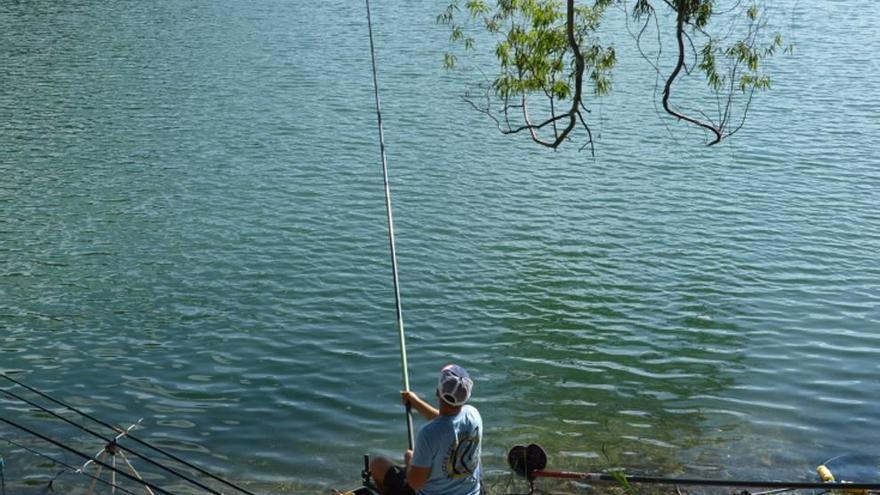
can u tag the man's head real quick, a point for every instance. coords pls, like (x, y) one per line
(454, 386)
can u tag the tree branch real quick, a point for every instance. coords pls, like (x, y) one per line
(667, 89)
(579, 67)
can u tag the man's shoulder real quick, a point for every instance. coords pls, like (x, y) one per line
(436, 424)
(471, 411)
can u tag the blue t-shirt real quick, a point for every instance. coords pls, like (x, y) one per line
(450, 446)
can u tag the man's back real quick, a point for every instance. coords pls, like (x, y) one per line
(450, 447)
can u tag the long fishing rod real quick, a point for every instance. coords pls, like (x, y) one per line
(530, 463)
(68, 467)
(130, 436)
(111, 441)
(403, 364)
(602, 477)
(83, 455)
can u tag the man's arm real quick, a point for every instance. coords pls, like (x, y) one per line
(427, 411)
(416, 476)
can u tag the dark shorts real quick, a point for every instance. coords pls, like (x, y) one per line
(395, 482)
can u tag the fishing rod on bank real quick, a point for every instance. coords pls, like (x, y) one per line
(657, 480)
(79, 453)
(67, 467)
(390, 219)
(530, 462)
(114, 442)
(109, 441)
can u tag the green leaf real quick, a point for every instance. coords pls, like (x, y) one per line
(752, 12)
(449, 60)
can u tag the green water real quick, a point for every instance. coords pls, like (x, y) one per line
(192, 232)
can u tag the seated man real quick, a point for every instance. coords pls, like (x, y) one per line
(446, 458)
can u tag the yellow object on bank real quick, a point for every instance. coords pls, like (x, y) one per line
(826, 476)
(824, 473)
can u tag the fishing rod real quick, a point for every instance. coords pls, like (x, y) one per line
(611, 478)
(112, 441)
(389, 215)
(530, 462)
(130, 436)
(68, 467)
(83, 455)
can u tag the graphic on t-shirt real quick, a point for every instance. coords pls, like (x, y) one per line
(463, 459)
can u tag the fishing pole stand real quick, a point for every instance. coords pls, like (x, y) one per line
(112, 451)
(365, 474)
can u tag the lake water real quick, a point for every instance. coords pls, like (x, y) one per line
(192, 232)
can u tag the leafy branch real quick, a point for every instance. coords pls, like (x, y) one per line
(548, 49)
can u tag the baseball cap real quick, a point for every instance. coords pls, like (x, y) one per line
(455, 385)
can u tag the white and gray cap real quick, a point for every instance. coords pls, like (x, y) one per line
(455, 385)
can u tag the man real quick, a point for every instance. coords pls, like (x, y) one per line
(446, 458)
